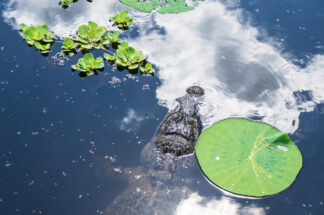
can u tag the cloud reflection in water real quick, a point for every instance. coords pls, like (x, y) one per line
(243, 77)
(62, 22)
(196, 204)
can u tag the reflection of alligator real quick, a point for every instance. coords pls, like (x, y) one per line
(156, 187)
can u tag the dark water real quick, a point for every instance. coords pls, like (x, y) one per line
(58, 129)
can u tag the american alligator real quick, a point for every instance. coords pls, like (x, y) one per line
(161, 181)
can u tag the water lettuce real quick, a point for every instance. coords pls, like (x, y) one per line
(65, 3)
(122, 20)
(130, 58)
(147, 69)
(113, 37)
(38, 36)
(88, 64)
(88, 37)
(69, 46)
(91, 36)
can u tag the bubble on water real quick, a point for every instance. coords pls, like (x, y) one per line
(138, 176)
(8, 164)
(117, 169)
(112, 159)
(146, 87)
(114, 80)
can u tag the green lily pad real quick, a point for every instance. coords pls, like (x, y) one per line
(248, 158)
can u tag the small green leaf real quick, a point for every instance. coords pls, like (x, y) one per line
(83, 31)
(109, 57)
(123, 45)
(134, 66)
(88, 58)
(119, 62)
(100, 66)
(31, 42)
(121, 54)
(23, 27)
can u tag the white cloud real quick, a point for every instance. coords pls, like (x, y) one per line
(195, 204)
(131, 120)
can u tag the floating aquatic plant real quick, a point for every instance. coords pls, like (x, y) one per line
(88, 65)
(69, 46)
(110, 57)
(174, 6)
(144, 6)
(166, 6)
(147, 69)
(65, 3)
(91, 36)
(122, 20)
(38, 36)
(113, 37)
(130, 58)
(248, 158)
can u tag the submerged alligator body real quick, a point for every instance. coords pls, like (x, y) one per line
(160, 182)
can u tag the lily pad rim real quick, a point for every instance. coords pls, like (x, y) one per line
(232, 194)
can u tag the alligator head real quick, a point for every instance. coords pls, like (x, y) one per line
(180, 129)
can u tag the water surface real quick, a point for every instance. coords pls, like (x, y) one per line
(256, 59)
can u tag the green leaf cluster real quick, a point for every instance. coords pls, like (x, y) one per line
(38, 36)
(88, 37)
(88, 64)
(130, 58)
(91, 36)
(69, 46)
(148, 69)
(65, 3)
(113, 37)
(122, 20)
